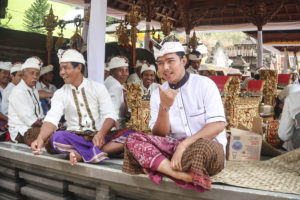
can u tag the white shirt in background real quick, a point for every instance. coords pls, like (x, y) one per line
(192, 70)
(24, 109)
(85, 107)
(5, 95)
(115, 89)
(192, 108)
(146, 92)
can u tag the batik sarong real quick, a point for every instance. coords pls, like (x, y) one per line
(29, 136)
(65, 142)
(203, 158)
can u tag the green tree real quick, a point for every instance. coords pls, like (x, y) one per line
(34, 16)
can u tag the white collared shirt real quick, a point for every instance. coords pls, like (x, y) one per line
(134, 78)
(192, 70)
(197, 104)
(290, 109)
(5, 95)
(85, 107)
(115, 89)
(24, 108)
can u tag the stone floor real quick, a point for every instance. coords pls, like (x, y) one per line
(24, 175)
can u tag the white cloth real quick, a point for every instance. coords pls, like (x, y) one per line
(290, 109)
(5, 65)
(291, 88)
(134, 78)
(5, 94)
(16, 67)
(115, 89)
(168, 47)
(72, 103)
(192, 109)
(96, 41)
(24, 108)
(192, 70)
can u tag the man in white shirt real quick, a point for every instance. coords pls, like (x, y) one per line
(114, 83)
(45, 86)
(148, 74)
(136, 76)
(16, 77)
(4, 79)
(295, 77)
(187, 123)
(25, 113)
(194, 61)
(85, 104)
(289, 125)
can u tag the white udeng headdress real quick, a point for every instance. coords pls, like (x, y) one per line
(70, 55)
(118, 61)
(147, 66)
(169, 45)
(45, 70)
(33, 62)
(5, 65)
(16, 67)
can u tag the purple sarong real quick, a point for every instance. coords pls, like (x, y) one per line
(65, 142)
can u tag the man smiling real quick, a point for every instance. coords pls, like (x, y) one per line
(85, 104)
(187, 123)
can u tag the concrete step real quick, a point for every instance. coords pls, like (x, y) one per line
(36, 193)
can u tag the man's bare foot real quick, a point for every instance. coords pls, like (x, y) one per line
(74, 158)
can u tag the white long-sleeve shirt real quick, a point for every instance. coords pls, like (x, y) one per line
(287, 122)
(5, 94)
(24, 109)
(192, 108)
(146, 92)
(85, 107)
(115, 89)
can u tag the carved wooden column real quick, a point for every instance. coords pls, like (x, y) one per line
(50, 23)
(258, 13)
(133, 18)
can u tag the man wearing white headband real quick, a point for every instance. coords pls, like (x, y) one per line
(89, 114)
(44, 86)
(194, 61)
(4, 79)
(136, 76)
(25, 113)
(148, 75)
(114, 83)
(16, 77)
(188, 109)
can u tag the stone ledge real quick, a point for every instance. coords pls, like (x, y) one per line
(96, 177)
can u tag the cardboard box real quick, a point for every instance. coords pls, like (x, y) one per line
(246, 145)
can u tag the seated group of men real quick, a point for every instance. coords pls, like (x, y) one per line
(188, 141)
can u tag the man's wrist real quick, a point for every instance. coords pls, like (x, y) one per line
(164, 108)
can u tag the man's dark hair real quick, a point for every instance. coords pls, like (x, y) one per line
(181, 54)
(14, 73)
(76, 64)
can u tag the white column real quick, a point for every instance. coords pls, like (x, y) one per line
(96, 40)
(85, 24)
(259, 49)
(147, 36)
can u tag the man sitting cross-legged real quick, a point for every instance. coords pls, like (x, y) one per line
(187, 123)
(85, 104)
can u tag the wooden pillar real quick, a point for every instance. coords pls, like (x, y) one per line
(147, 36)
